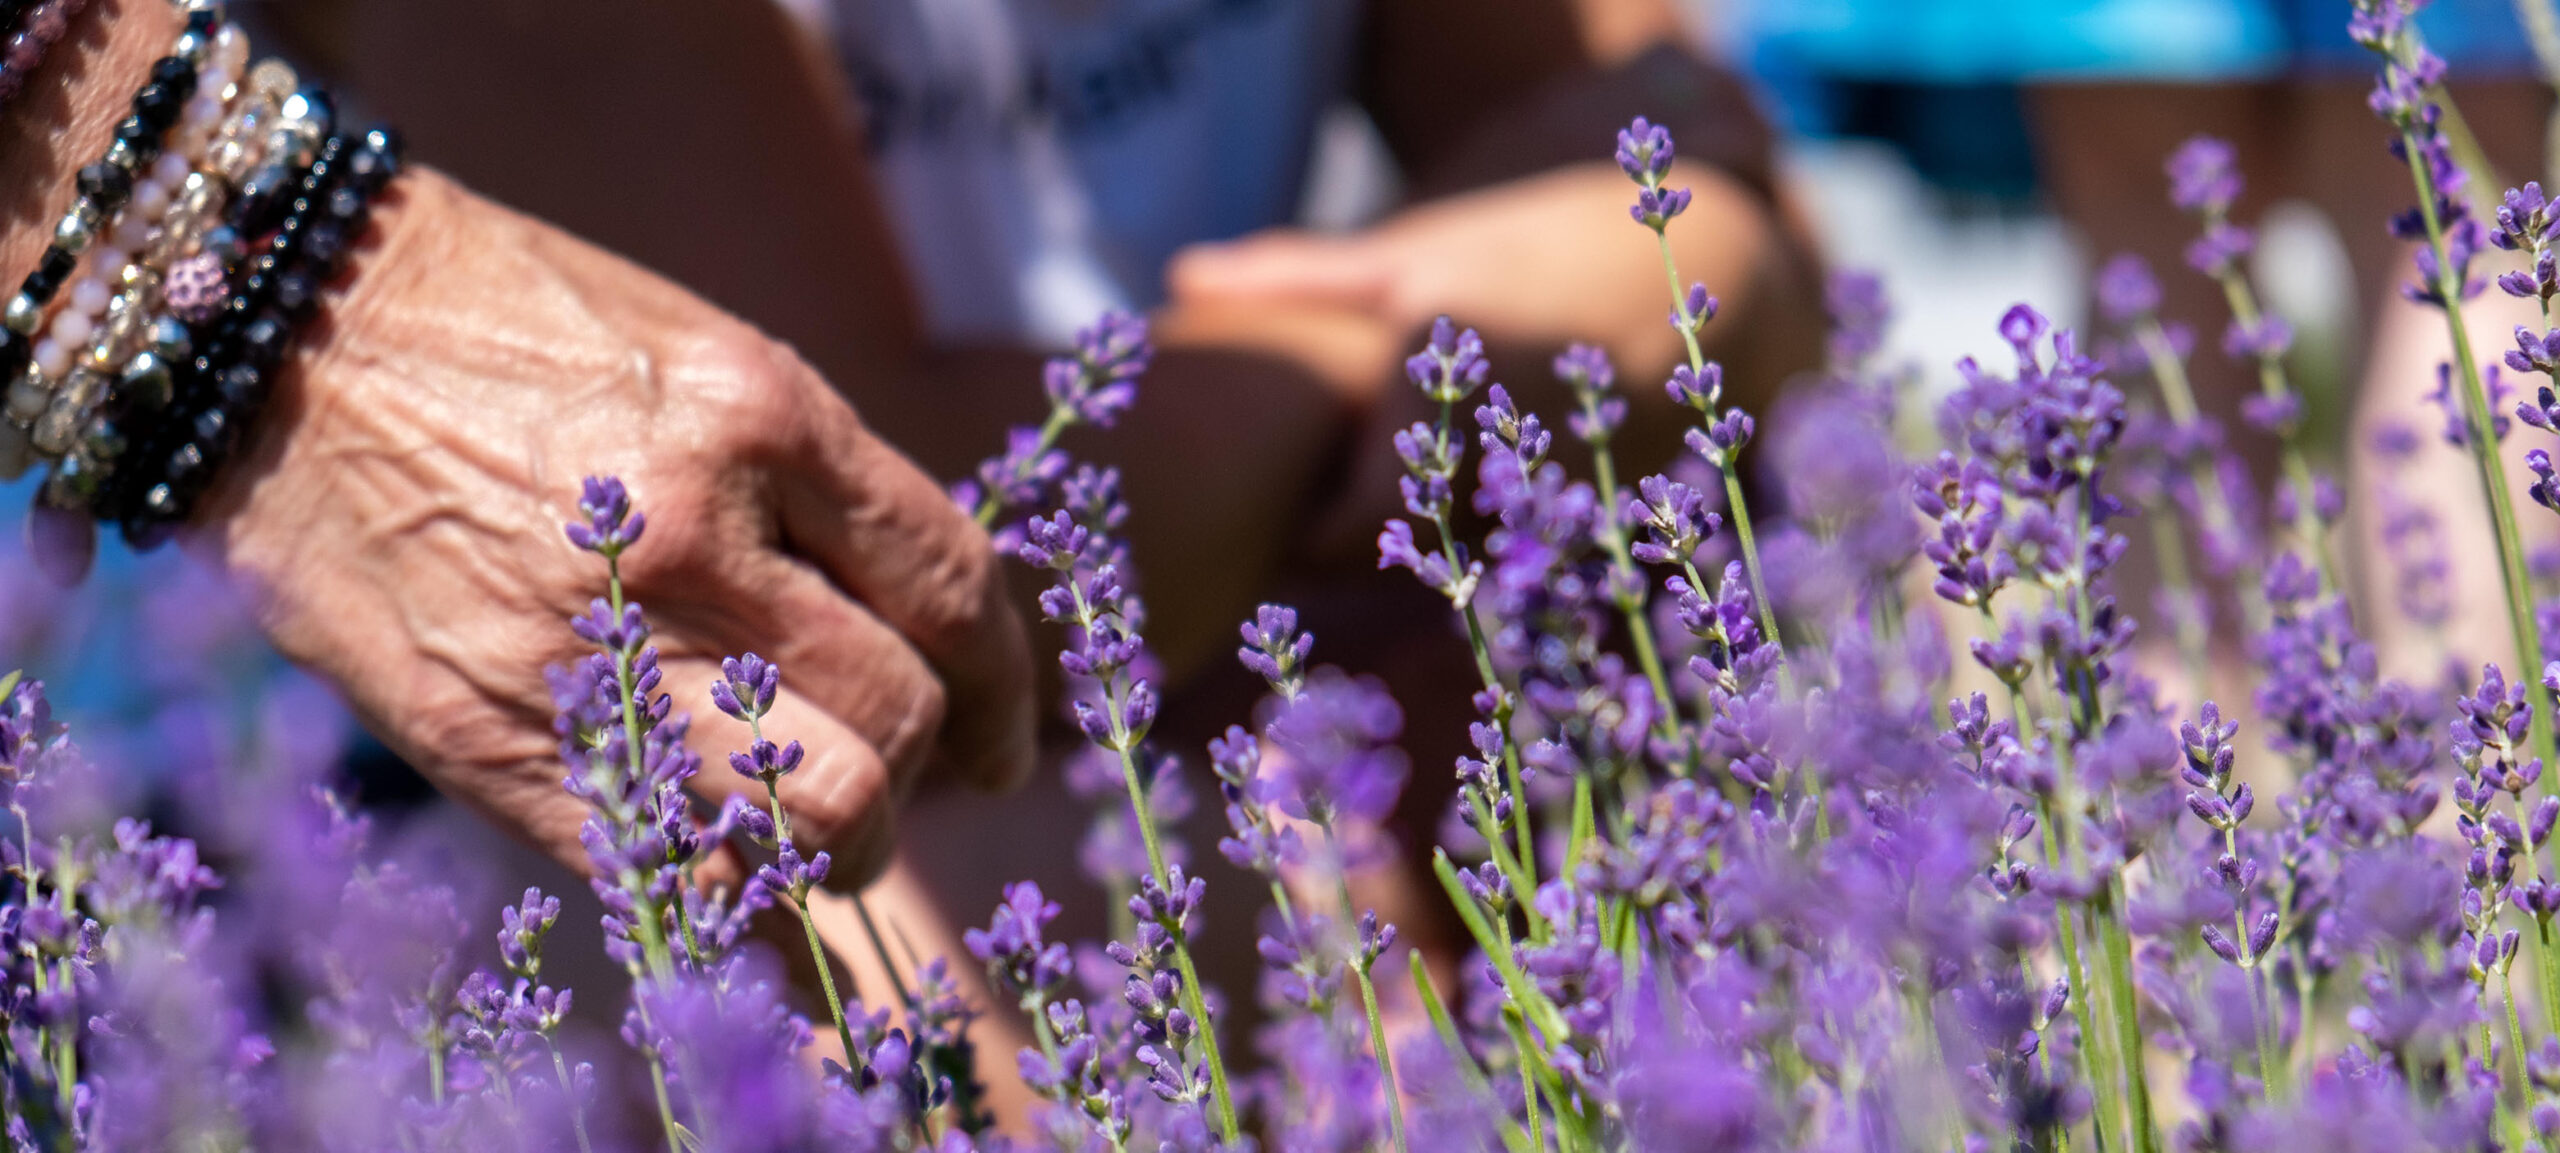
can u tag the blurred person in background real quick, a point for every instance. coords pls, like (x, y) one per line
(920, 196)
(2083, 101)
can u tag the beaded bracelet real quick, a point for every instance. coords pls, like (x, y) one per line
(237, 353)
(175, 277)
(104, 190)
(209, 228)
(33, 29)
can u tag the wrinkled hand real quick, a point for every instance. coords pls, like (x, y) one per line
(399, 526)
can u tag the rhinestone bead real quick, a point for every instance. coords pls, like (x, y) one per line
(273, 78)
(196, 287)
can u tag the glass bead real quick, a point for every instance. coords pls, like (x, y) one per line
(27, 399)
(262, 199)
(75, 232)
(171, 170)
(297, 293)
(272, 77)
(262, 344)
(230, 50)
(169, 340)
(150, 199)
(158, 105)
(146, 382)
(133, 231)
(190, 456)
(324, 242)
(17, 453)
(103, 440)
(311, 105)
(103, 181)
(54, 431)
(49, 274)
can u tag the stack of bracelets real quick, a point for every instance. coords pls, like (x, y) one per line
(194, 251)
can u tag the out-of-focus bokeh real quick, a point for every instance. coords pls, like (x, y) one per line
(1976, 153)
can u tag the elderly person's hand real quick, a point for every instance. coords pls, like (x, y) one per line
(400, 524)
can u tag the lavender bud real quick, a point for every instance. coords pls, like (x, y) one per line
(2221, 944)
(2204, 176)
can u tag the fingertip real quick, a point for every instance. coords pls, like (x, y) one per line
(838, 796)
(862, 852)
(721, 866)
(1016, 751)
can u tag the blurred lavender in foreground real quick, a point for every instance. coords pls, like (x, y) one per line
(1855, 827)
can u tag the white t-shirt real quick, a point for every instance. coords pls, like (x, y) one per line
(1043, 158)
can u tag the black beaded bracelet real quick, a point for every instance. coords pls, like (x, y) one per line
(237, 354)
(129, 378)
(103, 190)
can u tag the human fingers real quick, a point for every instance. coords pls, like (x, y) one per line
(891, 539)
(835, 792)
(1345, 271)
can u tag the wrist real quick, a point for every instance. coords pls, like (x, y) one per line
(203, 238)
(66, 116)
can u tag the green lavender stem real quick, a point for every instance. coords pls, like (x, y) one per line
(1369, 1002)
(1122, 740)
(1199, 1005)
(2483, 443)
(809, 929)
(1526, 862)
(647, 919)
(2212, 503)
(1742, 534)
(2117, 948)
(1631, 604)
(569, 1093)
(1447, 1028)
(2273, 385)
(2102, 1081)
(1386, 1066)
(1732, 483)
